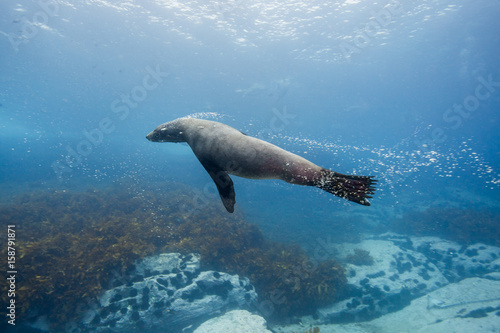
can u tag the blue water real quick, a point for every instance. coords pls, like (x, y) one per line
(408, 92)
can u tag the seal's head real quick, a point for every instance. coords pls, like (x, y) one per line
(168, 132)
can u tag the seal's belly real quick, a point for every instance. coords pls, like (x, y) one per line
(249, 157)
(262, 160)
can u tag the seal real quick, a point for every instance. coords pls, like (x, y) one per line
(223, 150)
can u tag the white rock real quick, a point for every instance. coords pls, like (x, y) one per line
(397, 276)
(493, 276)
(459, 261)
(168, 292)
(449, 309)
(240, 321)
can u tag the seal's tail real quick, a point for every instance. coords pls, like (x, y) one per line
(352, 188)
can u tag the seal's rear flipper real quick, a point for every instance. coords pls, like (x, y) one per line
(224, 184)
(352, 188)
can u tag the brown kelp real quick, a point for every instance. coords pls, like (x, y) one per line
(73, 246)
(312, 330)
(360, 257)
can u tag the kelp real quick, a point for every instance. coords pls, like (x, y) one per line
(360, 257)
(71, 247)
(312, 330)
(277, 270)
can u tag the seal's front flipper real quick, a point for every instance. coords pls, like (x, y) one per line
(223, 182)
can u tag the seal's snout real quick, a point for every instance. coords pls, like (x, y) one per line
(150, 136)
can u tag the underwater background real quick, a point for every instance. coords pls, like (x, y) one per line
(405, 91)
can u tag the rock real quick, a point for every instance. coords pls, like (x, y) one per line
(422, 284)
(397, 276)
(493, 276)
(405, 268)
(167, 293)
(471, 305)
(240, 321)
(458, 262)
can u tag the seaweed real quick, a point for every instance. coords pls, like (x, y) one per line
(359, 258)
(238, 247)
(312, 330)
(74, 246)
(465, 226)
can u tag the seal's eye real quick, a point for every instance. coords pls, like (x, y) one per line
(180, 133)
